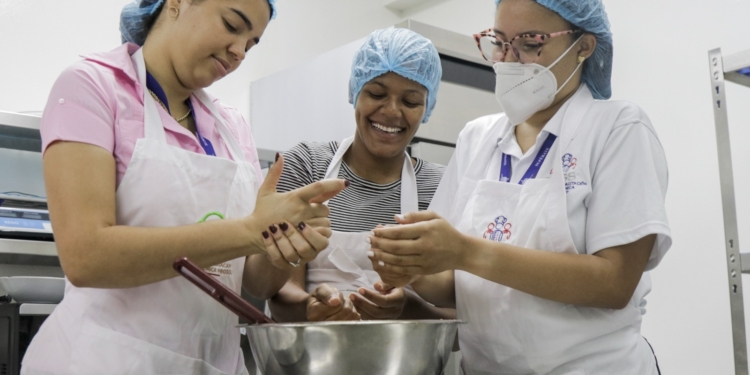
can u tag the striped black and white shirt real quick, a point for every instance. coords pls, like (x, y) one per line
(364, 204)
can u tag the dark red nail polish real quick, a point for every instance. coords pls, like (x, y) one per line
(265, 234)
(347, 183)
(273, 228)
(277, 156)
(301, 226)
(284, 226)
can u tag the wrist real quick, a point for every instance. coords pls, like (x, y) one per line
(468, 252)
(254, 235)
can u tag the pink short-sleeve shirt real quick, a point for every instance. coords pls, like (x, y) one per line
(99, 101)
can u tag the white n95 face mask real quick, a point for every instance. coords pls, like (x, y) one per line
(525, 89)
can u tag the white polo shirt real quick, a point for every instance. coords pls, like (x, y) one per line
(615, 172)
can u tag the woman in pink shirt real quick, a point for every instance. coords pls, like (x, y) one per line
(135, 155)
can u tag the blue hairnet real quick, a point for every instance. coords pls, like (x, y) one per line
(589, 16)
(403, 52)
(134, 17)
(136, 14)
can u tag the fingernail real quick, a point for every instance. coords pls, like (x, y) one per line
(266, 235)
(371, 254)
(400, 217)
(347, 183)
(361, 291)
(367, 240)
(277, 156)
(284, 226)
(273, 228)
(301, 226)
(381, 263)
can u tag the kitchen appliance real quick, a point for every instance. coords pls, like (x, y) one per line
(26, 241)
(332, 348)
(25, 304)
(34, 289)
(24, 223)
(19, 322)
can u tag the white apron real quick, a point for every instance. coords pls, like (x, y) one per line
(171, 326)
(511, 332)
(344, 263)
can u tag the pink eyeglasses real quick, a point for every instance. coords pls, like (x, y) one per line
(526, 48)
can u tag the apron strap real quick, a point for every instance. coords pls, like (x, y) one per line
(153, 127)
(409, 192)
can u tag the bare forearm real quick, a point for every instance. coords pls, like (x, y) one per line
(290, 304)
(438, 289)
(122, 256)
(261, 278)
(586, 280)
(418, 308)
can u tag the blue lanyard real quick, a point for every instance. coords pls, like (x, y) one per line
(155, 87)
(506, 170)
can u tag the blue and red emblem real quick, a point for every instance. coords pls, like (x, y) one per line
(569, 162)
(499, 230)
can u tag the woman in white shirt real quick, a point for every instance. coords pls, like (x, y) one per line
(549, 213)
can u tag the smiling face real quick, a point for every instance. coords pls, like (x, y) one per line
(208, 39)
(389, 111)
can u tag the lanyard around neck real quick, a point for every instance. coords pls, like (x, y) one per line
(154, 86)
(506, 170)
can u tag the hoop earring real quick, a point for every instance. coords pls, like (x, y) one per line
(176, 11)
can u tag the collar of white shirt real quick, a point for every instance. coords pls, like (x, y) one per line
(508, 144)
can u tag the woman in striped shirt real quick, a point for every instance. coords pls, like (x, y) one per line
(393, 87)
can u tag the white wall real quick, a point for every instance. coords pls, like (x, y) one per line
(660, 63)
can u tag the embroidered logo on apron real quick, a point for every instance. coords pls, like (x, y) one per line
(499, 230)
(569, 164)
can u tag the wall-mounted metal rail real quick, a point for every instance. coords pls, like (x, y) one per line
(730, 68)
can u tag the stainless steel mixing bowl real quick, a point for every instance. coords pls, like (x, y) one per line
(419, 347)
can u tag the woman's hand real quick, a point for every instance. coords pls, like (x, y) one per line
(424, 244)
(288, 238)
(288, 247)
(386, 302)
(326, 303)
(390, 277)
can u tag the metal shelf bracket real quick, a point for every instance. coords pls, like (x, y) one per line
(737, 263)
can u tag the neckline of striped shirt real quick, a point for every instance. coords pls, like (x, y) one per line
(369, 184)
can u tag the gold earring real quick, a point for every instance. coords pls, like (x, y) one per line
(176, 11)
(581, 59)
